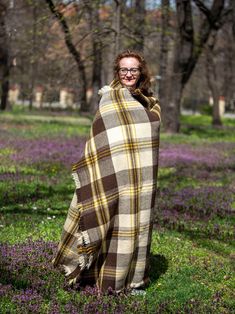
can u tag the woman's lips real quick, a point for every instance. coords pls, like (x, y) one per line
(131, 80)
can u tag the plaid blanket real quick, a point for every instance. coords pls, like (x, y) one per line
(107, 233)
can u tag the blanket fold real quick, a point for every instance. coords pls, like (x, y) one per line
(107, 233)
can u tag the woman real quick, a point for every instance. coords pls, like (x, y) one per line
(107, 233)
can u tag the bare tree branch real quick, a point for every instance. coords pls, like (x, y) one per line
(224, 16)
(216, 23)
(203, 8)
(206, 27)
(4, 58)
(188, 51)
(74, 52)
(64, 25)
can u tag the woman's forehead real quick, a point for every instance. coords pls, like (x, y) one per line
(129, 62)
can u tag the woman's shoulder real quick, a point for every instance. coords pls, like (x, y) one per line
(114, 88)
(104, 89)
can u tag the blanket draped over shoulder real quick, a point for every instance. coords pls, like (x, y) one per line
(107, 233)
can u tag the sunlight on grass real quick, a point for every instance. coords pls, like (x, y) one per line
(192, 252)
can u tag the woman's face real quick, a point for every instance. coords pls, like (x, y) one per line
(129, 72)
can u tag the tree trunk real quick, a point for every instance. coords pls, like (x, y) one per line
(139, 25)
(5, 87)
(97, 54)
(76, 55)
(216, 116)
(33, 67)
(182, 55)
(212, 80)
(171, 112)
(4, 59)
(232, 5)
(163, 77)
(114, 47)
(227, 89)
(230, 82)
(187, 54)
(117, 24)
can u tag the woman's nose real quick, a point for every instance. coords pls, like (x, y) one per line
(128, 74)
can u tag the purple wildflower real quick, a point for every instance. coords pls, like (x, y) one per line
(4, 289)
(211, 156)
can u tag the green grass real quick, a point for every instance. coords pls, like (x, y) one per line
(28, 128)
(192, 267)
(198, 129)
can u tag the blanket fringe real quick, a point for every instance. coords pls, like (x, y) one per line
(82, 261)
(84, 258)
(85, 236)
(76, 180)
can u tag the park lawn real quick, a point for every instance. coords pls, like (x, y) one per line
(192, 253)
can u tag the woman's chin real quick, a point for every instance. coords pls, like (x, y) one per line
(129, 85)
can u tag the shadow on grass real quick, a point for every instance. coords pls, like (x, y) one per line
(35, 215)
(206, 241)
(207, 132)
(158, 266)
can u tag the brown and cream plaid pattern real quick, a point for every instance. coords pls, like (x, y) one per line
(107, 232)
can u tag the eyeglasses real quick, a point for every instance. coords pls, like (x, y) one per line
(133, 71)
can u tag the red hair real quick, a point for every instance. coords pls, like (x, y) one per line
(143, 83)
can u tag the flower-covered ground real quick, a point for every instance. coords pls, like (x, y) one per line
(192, 255)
